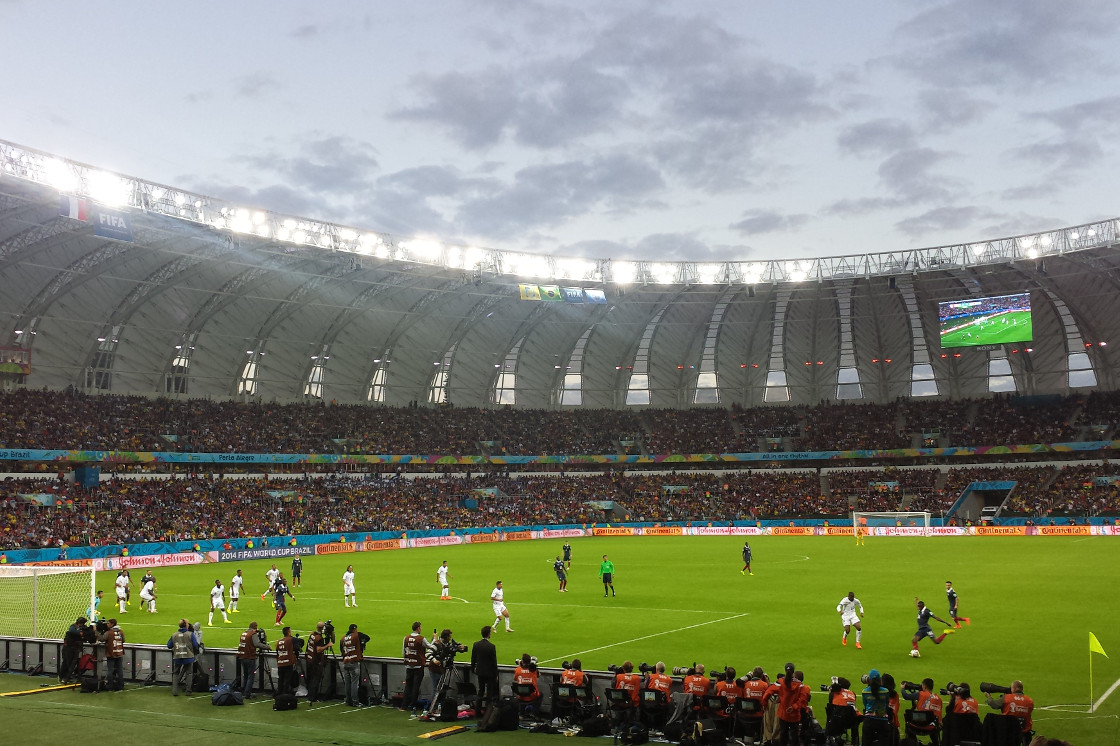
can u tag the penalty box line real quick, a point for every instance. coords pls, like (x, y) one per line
(647, 637)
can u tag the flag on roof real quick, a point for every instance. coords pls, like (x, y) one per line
(73, 207)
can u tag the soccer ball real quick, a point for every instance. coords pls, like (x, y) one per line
(915, 654)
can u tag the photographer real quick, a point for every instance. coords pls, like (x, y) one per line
(962, 718)
(1012, 703)
(625, 678)
(525, 673)
(72, 643)
(926, 700)
(286, 657)
(696, 683)
(657, 679)
(316, 660)
(441, 665)
(113, 638)
(841, 715)
(251, 641)
(728, 688)
(352, 645)
(573, 674)
(184, 647)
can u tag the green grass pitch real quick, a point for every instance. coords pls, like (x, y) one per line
(1032, 601)
(991, 332)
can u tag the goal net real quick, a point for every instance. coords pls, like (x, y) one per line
(913, 522)
(44, 601)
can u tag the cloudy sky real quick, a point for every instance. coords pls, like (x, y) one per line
(728, 129)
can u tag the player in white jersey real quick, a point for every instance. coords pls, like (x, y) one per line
(851, 611)
(348, 593)
(235, 592)
(272, 573)
(443, 577)
(217, 602)
(121, 584)
(497, 597)
(148, 596)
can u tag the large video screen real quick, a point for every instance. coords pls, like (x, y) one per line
(985, 321)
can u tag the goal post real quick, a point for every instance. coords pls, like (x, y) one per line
(43, 602)
(892, 519)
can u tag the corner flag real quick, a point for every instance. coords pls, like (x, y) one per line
(1095, 645)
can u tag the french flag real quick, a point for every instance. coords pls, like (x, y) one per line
(73, 207)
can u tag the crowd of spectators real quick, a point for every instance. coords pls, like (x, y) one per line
(72, 420)
(123, 511)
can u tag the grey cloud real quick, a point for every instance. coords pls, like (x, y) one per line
(1002, 42)
(671, 247)
(862, 205)
(256, 84)
(551, 194)
(306, 31)
(907, 173)
(1094, 116)
(1066, 154)
(941, 219)
(948, 108)
(877, 136)
(322, 163)
(758, 222)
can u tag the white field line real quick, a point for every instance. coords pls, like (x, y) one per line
(647, 637)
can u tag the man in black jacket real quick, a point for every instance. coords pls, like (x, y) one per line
(484, 665)
(72, 644)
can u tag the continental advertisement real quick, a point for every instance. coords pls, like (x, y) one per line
(517, 535)
(662, 531)
(612, 531)
(998, 530)
(376, 545)
(1063, 530)
(792, 530)
(337, 547)
(482, 538)
(837, 531)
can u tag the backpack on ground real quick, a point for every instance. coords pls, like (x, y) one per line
(488, 723)
(285, 701)
(593, 727)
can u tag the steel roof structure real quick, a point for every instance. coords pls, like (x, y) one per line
(205, 298)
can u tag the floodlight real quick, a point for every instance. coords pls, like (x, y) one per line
(624, 272)
(1032, 253)
(664, 273)
(283, 234)
(977, 249)
(708, 273)
(573, 268)
(1044, 240)
(263, 231)
(180, 199)
(107, 188)
(325, 240)
(259, 217)
(347, 234)
(60, 175)
(299, 237)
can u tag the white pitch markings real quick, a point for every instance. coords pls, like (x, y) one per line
(1104, 696)
(646, 637)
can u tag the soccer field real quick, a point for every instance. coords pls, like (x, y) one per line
(1032, 601)
(993, 331)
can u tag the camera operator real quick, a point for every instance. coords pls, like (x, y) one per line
(841, 715)
(352, 645)
(441, 664)
(286, 656)
(316, 660)
(113, 637)
(413, 650)
(573, 674)
(72, 643)
(184, 647)
(728, 687)
(924, 699)
(249, 644)
(484, 665)
(1012, 703)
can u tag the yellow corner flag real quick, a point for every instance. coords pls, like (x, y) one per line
(1095, 645)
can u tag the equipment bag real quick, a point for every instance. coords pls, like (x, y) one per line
(635, 734)
(488, 723)
(449, 710)
(92, 685)
(200, 682)
(285, 701)
(224, 696)
(509, 717)
(593, 727)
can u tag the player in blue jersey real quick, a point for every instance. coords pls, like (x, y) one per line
(953, 601)
(746, 559)
(924, 615)
(562, 576)
(568, 555)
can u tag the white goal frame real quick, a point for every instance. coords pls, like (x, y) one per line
(40, 597)
(891, 519)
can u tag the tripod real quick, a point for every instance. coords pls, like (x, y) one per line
(440, 690)
(267, 675)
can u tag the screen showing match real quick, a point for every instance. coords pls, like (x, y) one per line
(974, 322)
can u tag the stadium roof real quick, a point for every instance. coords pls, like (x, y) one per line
(110, 283)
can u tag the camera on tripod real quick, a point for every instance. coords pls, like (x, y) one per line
(298, 642)
(328, 632)
(262, 638)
